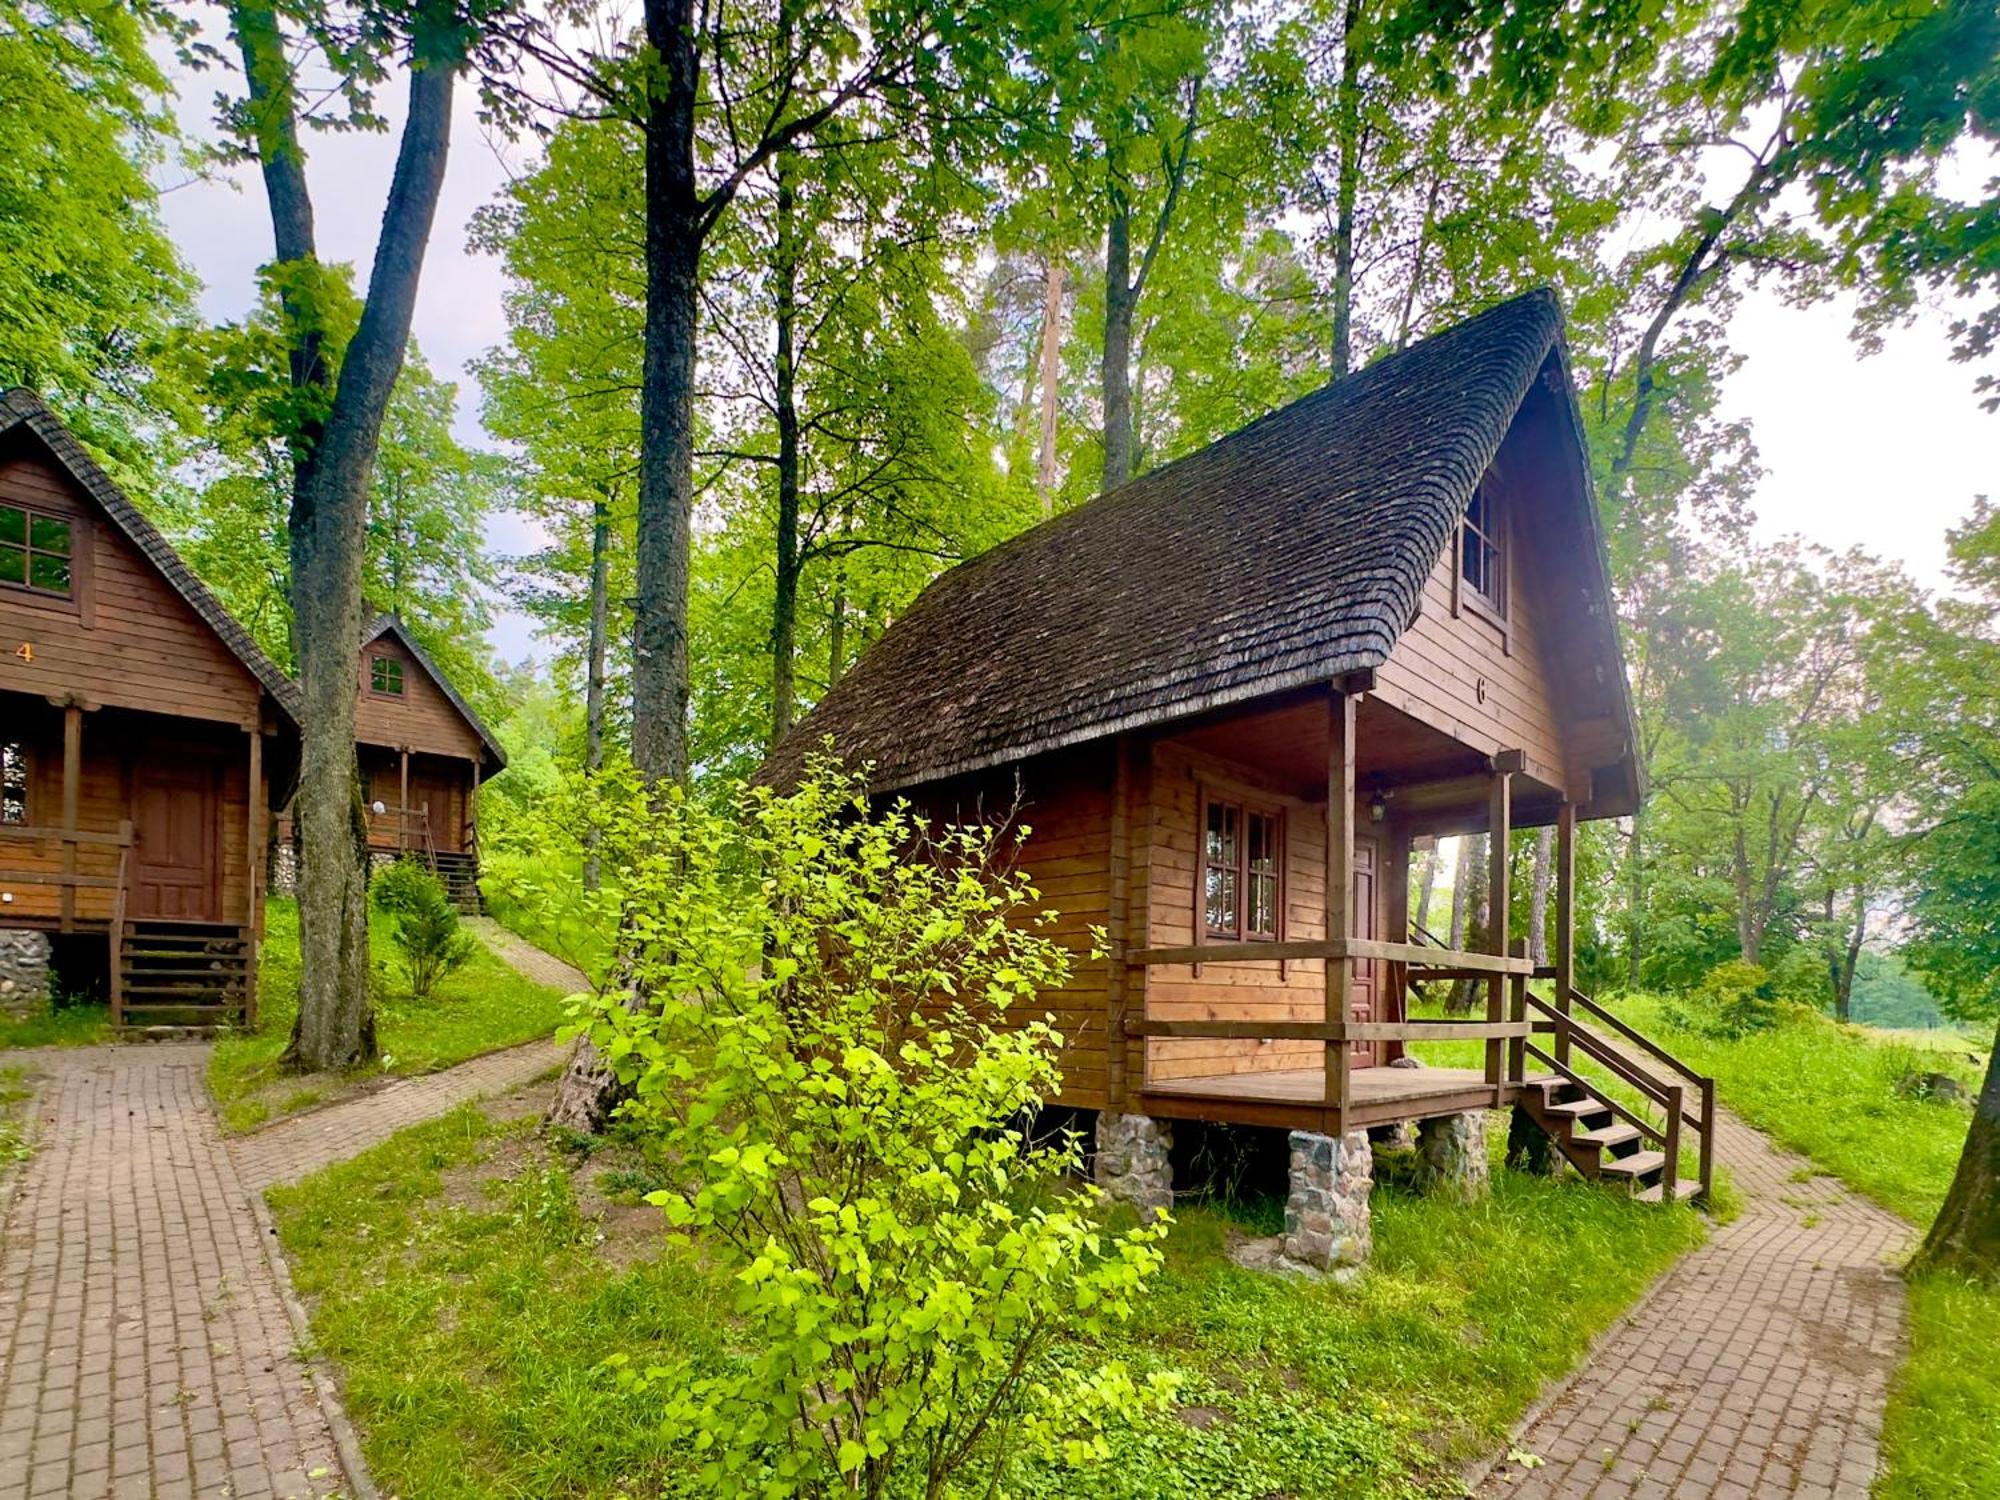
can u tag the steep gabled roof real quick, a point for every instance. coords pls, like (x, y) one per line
(1291, 552)
(392, 624)
(21, 407)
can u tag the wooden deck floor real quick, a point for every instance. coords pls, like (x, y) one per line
(1296, 1097)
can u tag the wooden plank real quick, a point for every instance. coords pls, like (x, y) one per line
(72, 786)
(32, 835)
(254, 871)
(1319, 1031)
(1565, 914)
(60, 880)
(1418, 955)
(1117, 930)
(1499, 851)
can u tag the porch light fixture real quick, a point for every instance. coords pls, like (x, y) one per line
(1378, 803)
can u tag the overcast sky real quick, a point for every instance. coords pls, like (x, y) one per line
(1882, 453)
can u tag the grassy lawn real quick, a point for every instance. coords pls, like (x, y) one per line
(470, 1283)
(483, 1006)
(48, 1026)
(1830, 1092)
(15, 1093)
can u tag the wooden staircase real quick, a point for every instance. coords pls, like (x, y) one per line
(186, 975)
(1632, 1136)
(459, 874)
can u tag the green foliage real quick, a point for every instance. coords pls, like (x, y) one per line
(423, 925)
(1940, 1434)
(471, 1311)
(1733, 1000)
(47, 1024)
(831, 1076)
(15, 1092)
(483, 1006)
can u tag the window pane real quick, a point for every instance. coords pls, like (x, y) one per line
(1262, 918)
(13, 525)
(51, 573)
(1221, 899)
(1221, 833)
(13, 565)
(1262, 833)
(46, 534)
(13, 784)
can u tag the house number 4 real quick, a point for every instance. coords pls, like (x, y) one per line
(26, 651)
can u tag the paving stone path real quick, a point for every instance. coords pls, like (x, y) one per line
(1759, 1367)
(520, 954)
(144, 1345)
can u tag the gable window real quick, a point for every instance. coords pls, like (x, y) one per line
(13, 782)
(1242, 857)
(35, 550)
(385, 675)
(1482, 564)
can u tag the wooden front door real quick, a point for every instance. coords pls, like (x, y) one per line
(176, 868)
(438, 792)
(1367, 991)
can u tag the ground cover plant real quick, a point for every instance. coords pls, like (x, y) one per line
(471, 1279)
(1855, 1102)
(15, 1092)
(47, 1024)
(482, 1006)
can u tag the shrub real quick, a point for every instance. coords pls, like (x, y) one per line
(1733, 1000)
(839, 1096)
(424, 925)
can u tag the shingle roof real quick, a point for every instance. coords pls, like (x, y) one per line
(1290, 552)
(22, 407)
(392, 624)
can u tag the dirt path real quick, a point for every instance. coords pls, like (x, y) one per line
(1758, 1367)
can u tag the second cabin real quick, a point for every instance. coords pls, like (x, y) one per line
(1232, 695)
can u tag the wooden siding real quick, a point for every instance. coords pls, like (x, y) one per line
(1293, 990)
(421, 719)
(443, 784)
(116, 748)
(126, 638)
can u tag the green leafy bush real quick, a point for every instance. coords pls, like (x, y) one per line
(1734, 999)
(424, 925)
(830, 1070)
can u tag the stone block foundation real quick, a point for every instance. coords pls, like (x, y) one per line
(1326, 1212)
(1132, 1160)
(1451, 1156)
(24, 970)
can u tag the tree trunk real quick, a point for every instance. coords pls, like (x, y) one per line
(675, 229)
(593, 687)
(1468, 912)
(674, 234)
(836, 632)
(1427, 879)
(1843, 980)
(1051, 377)
(1538, 895)
(1347, 109)
(333, 467)
(785, 597)
(1966, 1236)
(1116, 368)
(1635, 898)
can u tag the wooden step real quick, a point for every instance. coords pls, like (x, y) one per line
(1608, 1137)
(1638, 1164)
(1576, 1110)
(1687, 1190)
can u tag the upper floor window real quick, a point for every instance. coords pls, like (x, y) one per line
(35, 550)
(385, 675)
(1242, 857)
(1482, 563)
(13, 782)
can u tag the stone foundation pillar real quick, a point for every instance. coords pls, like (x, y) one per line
(1451, 1155)
(1326, 1213)
(1132, 1160)
(24, 970)
(1529, 1148)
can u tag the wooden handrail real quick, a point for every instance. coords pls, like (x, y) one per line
(1644, 1126)
(1607, 1056)
(34, 834)
(57, 878)
(1659, 1053)
(118, 928)
(1416, 955)
(1332, 1031)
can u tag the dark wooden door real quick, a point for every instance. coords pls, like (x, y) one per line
(1367, 990)
(441, 794)
(176, 871)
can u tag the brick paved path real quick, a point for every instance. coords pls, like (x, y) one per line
(520, 954)
(144, 1348)
(292, 1148)
(1758, 1368)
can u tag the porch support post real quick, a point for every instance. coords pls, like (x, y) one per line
(253, 873)
(1565, 944)
(72, 792)
(1396, 976)
(1339, 1011)
(1118, 981)
(1500, 829)
(403, 804)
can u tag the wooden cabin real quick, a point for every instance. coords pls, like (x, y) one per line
(423, 752)
(1231, 695)
(142, 732)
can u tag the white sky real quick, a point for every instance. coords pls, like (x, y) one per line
(1883, 453)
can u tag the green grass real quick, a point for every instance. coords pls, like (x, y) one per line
(1830, 1092)
(553, 917)
(15, 1093)
(48, 1025)
(483, 1006)
(472, 1321)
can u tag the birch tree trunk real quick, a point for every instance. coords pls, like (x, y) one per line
(1051, 378)
(1538, 895)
